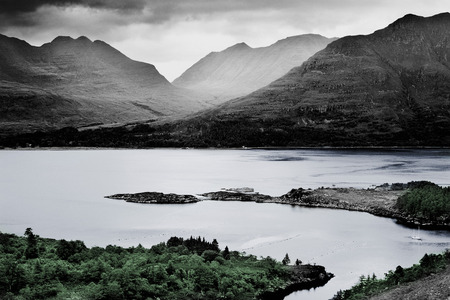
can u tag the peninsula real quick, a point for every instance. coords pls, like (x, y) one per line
(381, 200)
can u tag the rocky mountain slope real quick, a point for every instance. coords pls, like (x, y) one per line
(240, 69)
(391, 87)
(73, 82)
(433, 287)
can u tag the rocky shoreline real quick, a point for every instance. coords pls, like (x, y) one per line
(303, 277)
(379, 201)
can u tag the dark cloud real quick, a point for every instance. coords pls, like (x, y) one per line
(28, 6)
(18, 7)
(25, 12)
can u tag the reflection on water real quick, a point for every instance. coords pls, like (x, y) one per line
(60, 194)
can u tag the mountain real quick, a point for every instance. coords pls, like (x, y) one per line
(240, 69)
(389, 88)
(75, 82)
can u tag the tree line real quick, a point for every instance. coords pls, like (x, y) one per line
(32, 267)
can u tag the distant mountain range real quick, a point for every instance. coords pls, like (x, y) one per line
(391, 87)
(75, 82)
(240, 69)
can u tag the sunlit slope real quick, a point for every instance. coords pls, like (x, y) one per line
(240, 69)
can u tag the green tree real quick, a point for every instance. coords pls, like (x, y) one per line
(226, 253)
(286, 260)
(66, 249)
(32, 250)
(209, 255)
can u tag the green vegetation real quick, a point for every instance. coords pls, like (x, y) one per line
(426, 202)
(36, 268)
(371, 285)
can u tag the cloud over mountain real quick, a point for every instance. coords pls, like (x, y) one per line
(145, 29)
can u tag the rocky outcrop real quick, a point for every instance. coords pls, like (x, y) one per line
(236, 196)
(155, 198)
(303, 277)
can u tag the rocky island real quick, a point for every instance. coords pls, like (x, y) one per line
(155, 198)
(380, 200)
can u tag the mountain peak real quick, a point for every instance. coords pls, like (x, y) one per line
(67, 39)
(238, 47)
(411, 19)
(301, 39)
(83, 39)
(62, 39)
(241, 69)
(301, 36)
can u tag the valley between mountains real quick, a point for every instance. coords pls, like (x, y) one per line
(389, 88)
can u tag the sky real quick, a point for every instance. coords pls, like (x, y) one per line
(175, 34)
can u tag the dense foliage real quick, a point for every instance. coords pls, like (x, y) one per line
(235, 131)
(371, 285)
(36, 268)
(426, 202)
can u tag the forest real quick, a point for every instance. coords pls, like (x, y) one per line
(426, 202)
(32, 267)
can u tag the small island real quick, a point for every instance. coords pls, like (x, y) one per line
(155, 198)
(417, 203)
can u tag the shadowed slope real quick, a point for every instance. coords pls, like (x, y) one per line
(99, 85)
(388, 88)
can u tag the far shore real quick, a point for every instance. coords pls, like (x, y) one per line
(356, 148)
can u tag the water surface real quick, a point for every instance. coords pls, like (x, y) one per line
(60, 195)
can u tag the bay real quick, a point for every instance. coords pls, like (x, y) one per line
(60, 194)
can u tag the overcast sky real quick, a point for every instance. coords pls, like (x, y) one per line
(174, 34)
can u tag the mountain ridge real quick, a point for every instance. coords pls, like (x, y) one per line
(391, 87)
(241, 69)
(95, 83)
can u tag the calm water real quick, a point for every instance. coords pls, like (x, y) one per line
(60, 194)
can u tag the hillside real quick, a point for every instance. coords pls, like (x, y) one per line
(240, 69)
(433, 287)
(426, 280)
(74, 82)
(388, 88)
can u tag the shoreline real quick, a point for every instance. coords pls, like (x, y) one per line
(303, 277)
(362, 148)
(379, 201)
